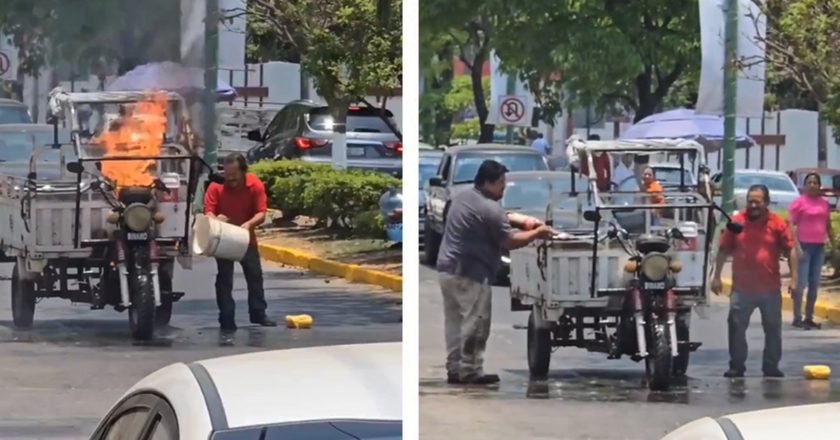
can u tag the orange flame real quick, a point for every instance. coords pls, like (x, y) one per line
(138, 132)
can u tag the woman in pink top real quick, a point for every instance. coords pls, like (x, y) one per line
(810, 216)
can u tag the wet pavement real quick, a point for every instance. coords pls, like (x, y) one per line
(58, 379)
(590, 397)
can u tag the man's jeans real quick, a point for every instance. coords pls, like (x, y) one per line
(810, 271)
(741, 307)
(466, 306)
(252, 268)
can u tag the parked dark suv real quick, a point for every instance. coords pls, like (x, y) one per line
(302, 130)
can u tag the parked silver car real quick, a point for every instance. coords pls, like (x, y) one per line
(782, 189)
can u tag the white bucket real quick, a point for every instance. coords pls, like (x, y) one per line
(213, 238)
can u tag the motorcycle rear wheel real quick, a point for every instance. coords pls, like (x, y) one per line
(539, 349)
(23, 300)
(659, 361)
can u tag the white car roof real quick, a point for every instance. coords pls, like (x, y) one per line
(362, 381)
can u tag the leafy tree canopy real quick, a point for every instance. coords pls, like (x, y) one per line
(349, 47)
(608, 53)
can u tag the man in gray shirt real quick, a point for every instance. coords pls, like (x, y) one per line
(476, 232)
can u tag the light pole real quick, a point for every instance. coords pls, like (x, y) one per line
(730, 92)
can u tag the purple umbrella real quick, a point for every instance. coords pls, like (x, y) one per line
(685, 124)
(168, 76)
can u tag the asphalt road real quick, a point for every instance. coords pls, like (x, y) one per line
(590, 397)
(58, 379)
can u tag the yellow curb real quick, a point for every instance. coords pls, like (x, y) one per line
(351, 272)
(822, 309)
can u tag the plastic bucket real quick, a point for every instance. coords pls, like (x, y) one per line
(213, 238)
(394, 232)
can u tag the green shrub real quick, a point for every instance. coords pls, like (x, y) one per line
(287, 195)
(270, 170)
(336, 198)
(369, 224)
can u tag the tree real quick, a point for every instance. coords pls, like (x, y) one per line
(437, 69)
(607, 53)
(350, 48)
(802, 55)
(468, 27)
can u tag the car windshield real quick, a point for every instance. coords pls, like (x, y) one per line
(17, 146)
(773, 182)
(14, 115)
(529, 194)
(321, 430)
(427, 171)
(629, 186)
(467, 165)
(671, 176)
(826, 179)
(360, 121)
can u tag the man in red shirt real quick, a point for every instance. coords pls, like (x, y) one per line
(756, 280)
(602, 165)
(241, 200)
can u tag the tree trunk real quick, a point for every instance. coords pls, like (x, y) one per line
(486, 134)
(339, 139)
(442, 121)
(822, 142)
(647, 100)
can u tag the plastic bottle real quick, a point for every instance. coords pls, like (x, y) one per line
(522, 221)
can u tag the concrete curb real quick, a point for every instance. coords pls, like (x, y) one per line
(822, 309)
(351, 272)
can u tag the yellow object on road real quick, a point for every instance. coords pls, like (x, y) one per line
(816, 372)
(298, 321)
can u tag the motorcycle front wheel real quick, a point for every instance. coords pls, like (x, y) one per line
(659, 361)
(141, 314)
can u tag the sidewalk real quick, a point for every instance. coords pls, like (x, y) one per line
(298, 252)
(828, 300)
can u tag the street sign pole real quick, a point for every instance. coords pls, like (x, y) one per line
(730, 91)
(211, 81)
(511, 89)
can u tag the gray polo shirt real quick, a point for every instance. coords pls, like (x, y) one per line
(475, 228)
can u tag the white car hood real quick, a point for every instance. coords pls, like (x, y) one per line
(791, 422)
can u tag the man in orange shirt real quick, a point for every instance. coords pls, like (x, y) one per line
(652, 187)
(241, 200)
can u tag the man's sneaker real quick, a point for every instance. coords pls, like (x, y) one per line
(809, 324)
(484, 379)
(774, 373)
(798, 323)
(732, 373)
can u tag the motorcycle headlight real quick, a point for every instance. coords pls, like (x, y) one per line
(655, 267)
(137, 217)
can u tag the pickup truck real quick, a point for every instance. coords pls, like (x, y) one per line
(456, 172)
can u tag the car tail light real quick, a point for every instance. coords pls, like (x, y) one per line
(304, 142)
(396, 146)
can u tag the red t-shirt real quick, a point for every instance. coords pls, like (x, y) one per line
(602, 170)
(756, 252)
(238, 204)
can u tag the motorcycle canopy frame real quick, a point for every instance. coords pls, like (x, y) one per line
(687, 196)
(64, 107)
